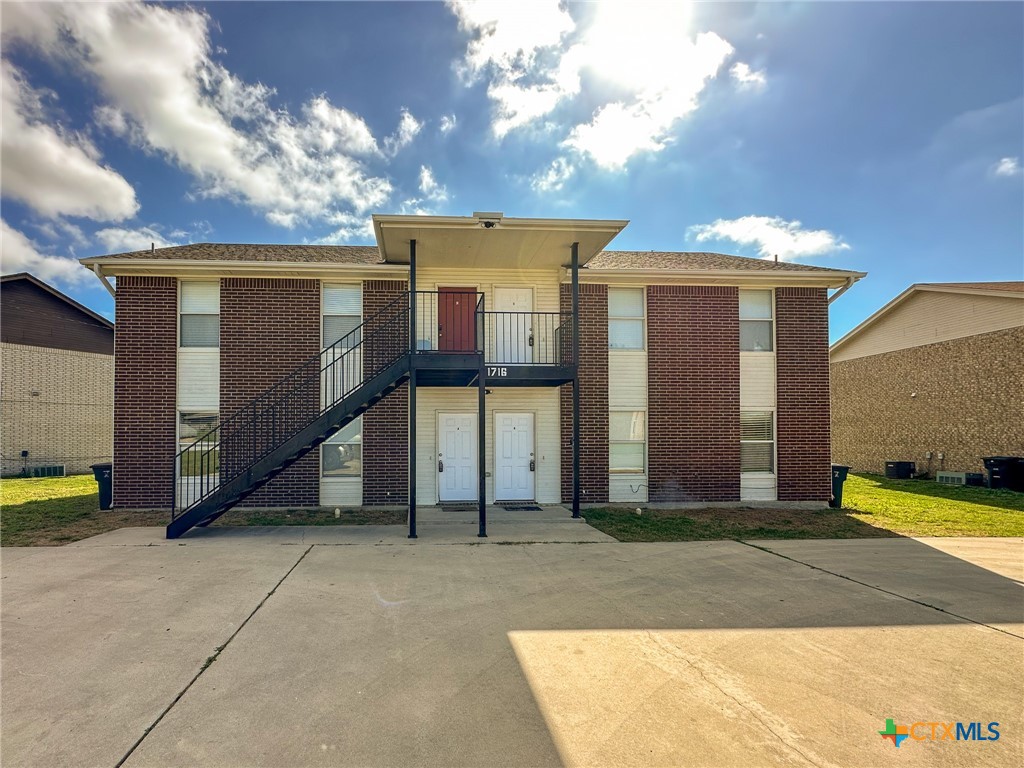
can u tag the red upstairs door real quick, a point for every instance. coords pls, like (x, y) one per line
(456, 319)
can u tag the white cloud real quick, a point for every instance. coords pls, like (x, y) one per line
(746, 77)
(163, 90)
(772, 235)
(447, 124)
(554, 178)
(54, 171)
(120, 240)
(351, 228)
(1007, 166)
(19, 254)
(429, 187)
(408, 128)
(644, 70)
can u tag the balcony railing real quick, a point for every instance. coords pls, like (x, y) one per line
(457, 322)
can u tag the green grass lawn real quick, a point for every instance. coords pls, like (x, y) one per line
(57, 510)
(873, 506)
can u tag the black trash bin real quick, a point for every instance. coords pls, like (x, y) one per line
(104, 474)
(1005, 472)
(839, 473)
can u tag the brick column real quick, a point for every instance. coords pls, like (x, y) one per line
(693, 363)
(386, 424)
(268, 328)
(145, 376)
(593, 379)
(802, 417)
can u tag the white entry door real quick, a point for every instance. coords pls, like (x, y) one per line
(513, 327)
(514, 462)
(457, 478)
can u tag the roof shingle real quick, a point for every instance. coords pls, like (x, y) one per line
(693, 260)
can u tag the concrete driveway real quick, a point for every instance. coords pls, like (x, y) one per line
(294, 648)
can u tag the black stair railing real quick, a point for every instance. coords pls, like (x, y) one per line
(233, 446)
(527, 338)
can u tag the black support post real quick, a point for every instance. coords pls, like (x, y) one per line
(481, 428)
(576, 380)
(412, 390)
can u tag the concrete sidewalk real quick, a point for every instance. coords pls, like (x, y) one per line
(260, 650)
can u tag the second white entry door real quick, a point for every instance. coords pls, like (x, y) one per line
(513, 326)
(456, 457)
(514, 461)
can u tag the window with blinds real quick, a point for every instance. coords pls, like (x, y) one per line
(199, 307)
(756, 318)
(757, 441)
(626, 441)
(625, 318)
(342, 314)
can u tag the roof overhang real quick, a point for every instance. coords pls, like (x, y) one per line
(491, 240)
(738, 277)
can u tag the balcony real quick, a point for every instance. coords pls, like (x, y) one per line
(456, 336)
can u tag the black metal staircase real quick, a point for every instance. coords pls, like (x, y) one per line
(257, 442)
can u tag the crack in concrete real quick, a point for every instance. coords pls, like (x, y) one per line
(881, 589)
(751, 707)
(209, 661)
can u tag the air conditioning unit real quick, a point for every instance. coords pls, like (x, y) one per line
(53, 470)
(951, 478)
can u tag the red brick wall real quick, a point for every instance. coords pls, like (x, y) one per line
(593, 379)
(145, 370)
(268, 328)
(386, 424)
(693, 366)
(801, 338)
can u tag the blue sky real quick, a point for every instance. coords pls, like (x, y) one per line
(881, 137)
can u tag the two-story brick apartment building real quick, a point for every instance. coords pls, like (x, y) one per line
(466, 359)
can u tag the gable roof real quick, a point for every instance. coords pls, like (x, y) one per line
(694, 260)
(32, 279)
(1006, 290)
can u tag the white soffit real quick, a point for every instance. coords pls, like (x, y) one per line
(492, 241)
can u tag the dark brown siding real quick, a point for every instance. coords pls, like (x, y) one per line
(268, 328)
(385, 425)
(593, 379)
(694, 393)
(32, 316)
(801, 336)
(145, 368)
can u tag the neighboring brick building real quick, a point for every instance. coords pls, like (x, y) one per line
(935, 377)
(57, 359)
(702, 376)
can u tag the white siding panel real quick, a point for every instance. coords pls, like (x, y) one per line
(341, 491)
(757, 379)
(927, 317)
(627, 379)
(542, 402)
(627, 488)
(198, 379)
(757, 486)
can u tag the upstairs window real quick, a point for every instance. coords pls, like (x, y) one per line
(200, 314)
(343, 306)
(625, 318)
(757, 441)
(756, 320)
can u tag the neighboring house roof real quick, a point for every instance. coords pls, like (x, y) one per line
(33, 313)
(366, 255)
(927, 313)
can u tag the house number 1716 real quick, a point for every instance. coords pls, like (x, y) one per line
(497, 371)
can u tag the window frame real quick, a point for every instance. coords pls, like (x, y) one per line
(333, 442)
(642, 319)
(642, 442)
(324, 286)
(182, 314)
(773, 414)
(179, 446)
(769, 320)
